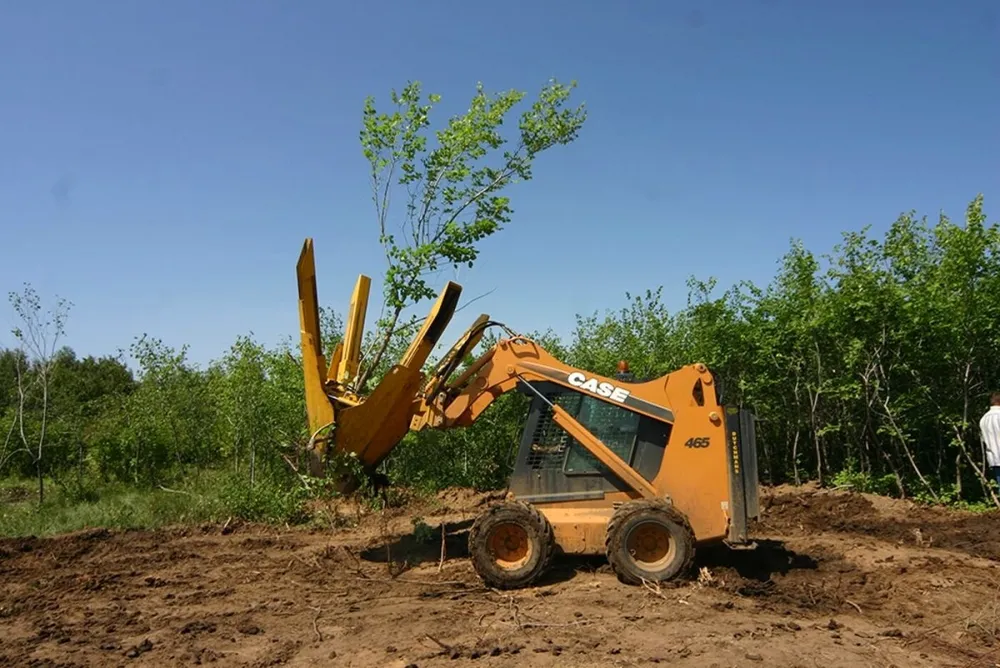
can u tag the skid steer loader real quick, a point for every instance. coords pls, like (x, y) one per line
(641, 472)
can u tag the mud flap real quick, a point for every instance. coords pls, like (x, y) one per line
(743, 480)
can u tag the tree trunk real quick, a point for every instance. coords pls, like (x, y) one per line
(795, 458)
(41, 437)
(983, 480)
(253, 462)
(958, 476)
(383, 346)
(909, 455)
(79, 460)
(814, 397)
(813, 402)
(896, 474)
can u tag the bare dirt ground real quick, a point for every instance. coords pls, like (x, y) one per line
(837, 579)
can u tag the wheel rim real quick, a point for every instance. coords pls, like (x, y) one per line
(649, 545)
(510, 546)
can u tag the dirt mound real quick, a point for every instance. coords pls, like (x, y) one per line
(835, 579)
(902, 522)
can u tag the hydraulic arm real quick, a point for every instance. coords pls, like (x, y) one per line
(372, 426)
(519, 361)
(405, 400)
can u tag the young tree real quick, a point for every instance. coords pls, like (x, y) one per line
(38, 341)
(454, 191)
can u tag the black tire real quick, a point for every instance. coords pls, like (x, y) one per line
(511, 545)
(668, 542)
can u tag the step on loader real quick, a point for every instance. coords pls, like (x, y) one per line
(639, 471)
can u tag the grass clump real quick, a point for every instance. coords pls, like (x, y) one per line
(206, 498)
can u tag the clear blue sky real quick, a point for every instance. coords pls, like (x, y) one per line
(161, 162)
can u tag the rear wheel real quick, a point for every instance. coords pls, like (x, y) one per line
(511, 545)
(650, 540)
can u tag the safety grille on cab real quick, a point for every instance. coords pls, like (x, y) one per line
(549, 441)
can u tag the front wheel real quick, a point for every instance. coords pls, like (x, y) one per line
(649, 540)
(511, 545)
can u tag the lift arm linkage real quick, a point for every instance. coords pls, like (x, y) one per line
(406, 399)
(519, 360)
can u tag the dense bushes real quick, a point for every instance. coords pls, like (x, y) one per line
(869, 367)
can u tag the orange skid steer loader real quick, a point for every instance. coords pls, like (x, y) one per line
(641, 472)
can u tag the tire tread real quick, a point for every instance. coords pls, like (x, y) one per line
(526, 513)
(631, 508)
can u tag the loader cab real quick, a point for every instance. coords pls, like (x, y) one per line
(552, 466)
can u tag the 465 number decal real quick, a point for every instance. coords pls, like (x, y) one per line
(700, 442)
